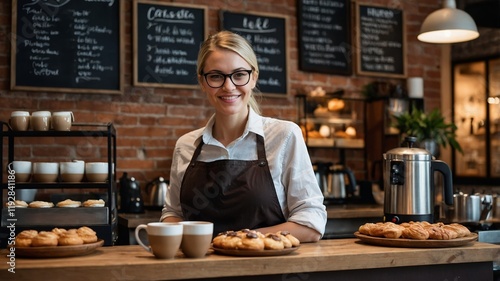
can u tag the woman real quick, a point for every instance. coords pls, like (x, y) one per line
(242, 170)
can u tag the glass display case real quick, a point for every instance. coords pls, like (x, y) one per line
(476, 112)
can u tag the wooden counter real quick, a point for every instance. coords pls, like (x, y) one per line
(345, 259)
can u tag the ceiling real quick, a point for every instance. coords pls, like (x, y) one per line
(486, 13)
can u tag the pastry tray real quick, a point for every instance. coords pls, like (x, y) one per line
(49, 216)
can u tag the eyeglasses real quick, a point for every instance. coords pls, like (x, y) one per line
(217, 79)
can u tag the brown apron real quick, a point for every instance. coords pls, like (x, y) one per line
(233, 194)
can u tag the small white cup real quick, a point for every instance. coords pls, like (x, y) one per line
(19, 120)
(96, 171)
(62, 120)
(415, 87)
(164, 238)
(196, 238)
(40, 120)
(22, 170)
(45, 171)
(72, 171)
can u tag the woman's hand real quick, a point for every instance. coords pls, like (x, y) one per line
(303, 233)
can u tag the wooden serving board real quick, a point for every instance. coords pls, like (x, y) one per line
(58, 251)
(413, 243)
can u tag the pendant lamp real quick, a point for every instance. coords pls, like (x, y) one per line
(448, 25)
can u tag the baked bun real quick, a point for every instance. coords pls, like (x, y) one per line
(461, 230)
(59, 231)
(87, 234)
(44, 239)
(295, 242)
(415, 231)
(70, 237)
(40, 204)
(273, 241)
(25, 238)
(68, 203)
(335, 104)
(93, 203)
(251, 241)
(16, 204)
(232, 241)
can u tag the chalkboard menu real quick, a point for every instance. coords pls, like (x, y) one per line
(380, 41)
(167, 38)
(324, 36)
(70, 46)
(267, 34)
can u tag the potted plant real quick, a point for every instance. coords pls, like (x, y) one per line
(429, 129)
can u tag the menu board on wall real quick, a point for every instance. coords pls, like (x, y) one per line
(69, 46)
(267, 34)
(380, 41)
(324, 36)
(167, 38)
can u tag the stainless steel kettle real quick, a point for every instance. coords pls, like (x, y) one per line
(338, 188)
(156, 192)
(408, 175)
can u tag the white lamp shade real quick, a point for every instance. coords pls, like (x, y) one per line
(448, 25)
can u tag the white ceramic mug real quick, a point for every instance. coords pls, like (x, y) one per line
(40, 120)
(72, 171)
(62, 120)
(96, 171)
(164, 238)
(45, 171)
(196, 238)
(19, 120)
(22, 170)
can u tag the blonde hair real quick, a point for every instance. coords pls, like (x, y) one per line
(228, 40)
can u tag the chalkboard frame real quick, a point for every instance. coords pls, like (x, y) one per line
(13, 68)
(358, 46)
(346, 37)
(286, 54)
(136, 47)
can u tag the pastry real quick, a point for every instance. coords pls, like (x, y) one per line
(392, 231)
(93, 203)
(25, 238)
(335, 104)
(68, 203)
(273, 242)
(365, 228)
(40, 204)
(440, 233)
(59, 231)
(251, 241)
(217, 241)
(232, 240)
(461, 230)
(16, 204)
(70, 237)
(45, 238)
(415, 231)
(285, 240)
(87, 234)
(295, 242)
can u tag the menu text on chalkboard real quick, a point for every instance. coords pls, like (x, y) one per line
(381, 41)
(267, 34)
(71, 45)
(324, 36)
(167, 38)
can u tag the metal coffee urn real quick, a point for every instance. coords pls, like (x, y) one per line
(409, 183)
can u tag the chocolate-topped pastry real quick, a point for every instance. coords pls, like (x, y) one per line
(273, 242)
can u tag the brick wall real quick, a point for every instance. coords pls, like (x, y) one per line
(149, 120)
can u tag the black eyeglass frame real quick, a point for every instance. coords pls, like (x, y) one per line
(230, 75)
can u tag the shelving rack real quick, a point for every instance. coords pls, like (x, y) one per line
(107, 231)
